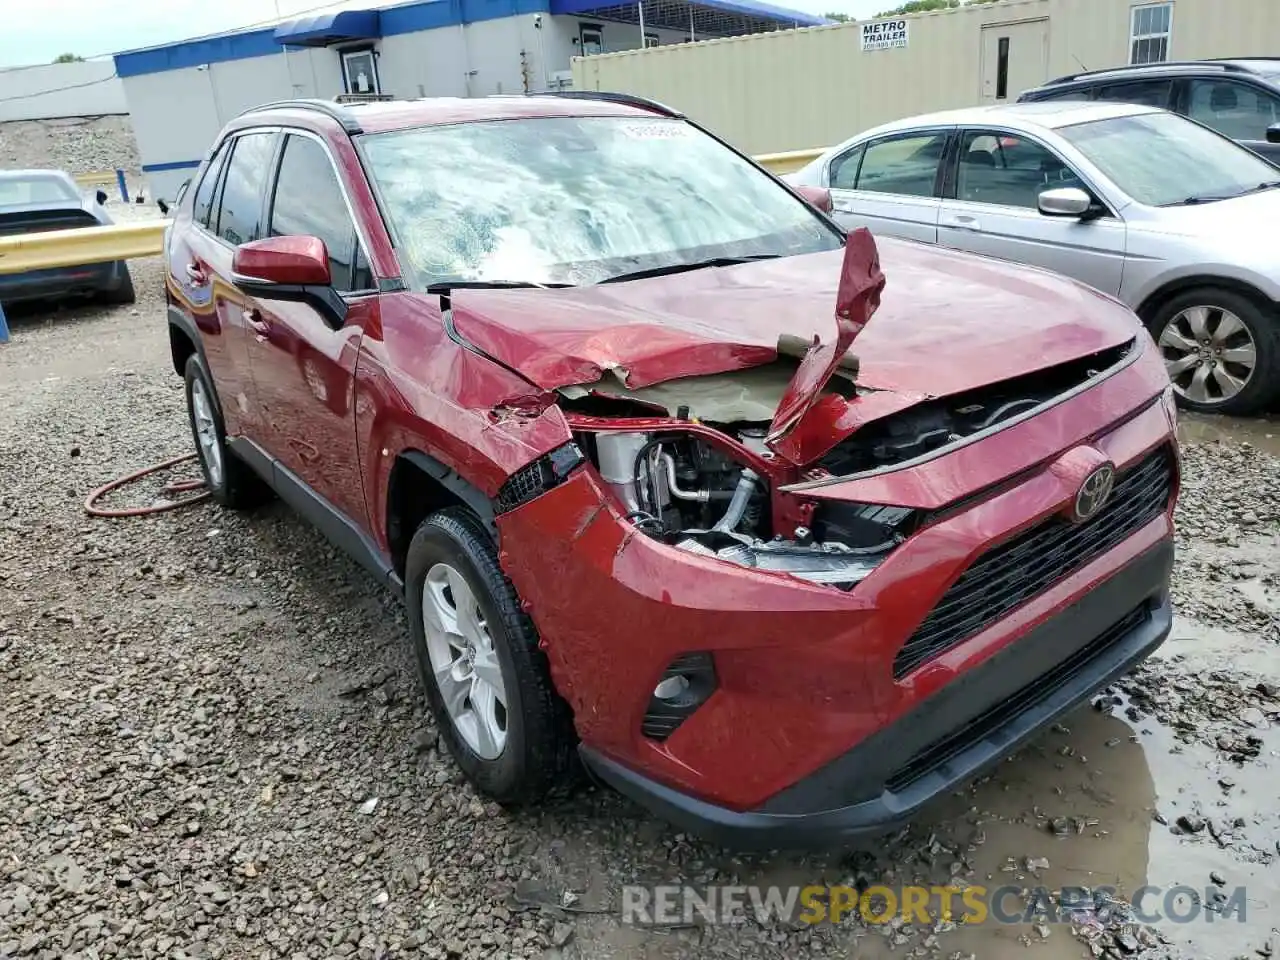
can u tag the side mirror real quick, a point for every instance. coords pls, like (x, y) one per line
(101, 197)
(1273, 133)
(164, 207)
(289, 268)
(1065, 202)
(819, 197)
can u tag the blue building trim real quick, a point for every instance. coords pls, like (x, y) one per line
(433, 14)
(387, 22)
(194, 53)
(750, 8)
(173, 165)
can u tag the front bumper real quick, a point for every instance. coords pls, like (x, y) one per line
(947, 739)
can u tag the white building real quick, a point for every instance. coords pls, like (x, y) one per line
(180, 94)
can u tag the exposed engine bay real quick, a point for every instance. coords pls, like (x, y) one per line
(685, 491)
(711, 488)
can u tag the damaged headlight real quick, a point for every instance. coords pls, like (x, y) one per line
(848, 541)
(828, 563)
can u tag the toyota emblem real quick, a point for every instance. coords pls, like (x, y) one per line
(1094, 492)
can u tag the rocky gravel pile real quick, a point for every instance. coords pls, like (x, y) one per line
(76, 144)
(212, 739)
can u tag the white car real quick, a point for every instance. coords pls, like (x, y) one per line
(1173, 218)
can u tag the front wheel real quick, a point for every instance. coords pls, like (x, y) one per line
(1221, 350)
(486, 679)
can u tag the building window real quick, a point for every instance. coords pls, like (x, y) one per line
(1002, 70)
(591, 37)
(360, 71)
(1150, 28)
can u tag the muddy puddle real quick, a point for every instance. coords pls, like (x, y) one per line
(1263, 433)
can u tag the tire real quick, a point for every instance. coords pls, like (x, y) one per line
(536, 754)
(123, 294)
(1203, 380)
(230, 481)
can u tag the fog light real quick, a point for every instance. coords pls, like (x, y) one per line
(671, 687)
(685, 686)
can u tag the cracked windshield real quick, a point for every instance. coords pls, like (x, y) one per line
(579, 200)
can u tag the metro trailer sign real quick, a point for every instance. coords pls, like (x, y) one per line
(884, 34)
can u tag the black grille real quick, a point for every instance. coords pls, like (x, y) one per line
(941, 751)
(538, 477)
(1029, 564)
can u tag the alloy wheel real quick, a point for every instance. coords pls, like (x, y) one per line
(464, 661)
(1209, 353)
(206, 431)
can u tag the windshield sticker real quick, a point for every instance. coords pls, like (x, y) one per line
(662, 130)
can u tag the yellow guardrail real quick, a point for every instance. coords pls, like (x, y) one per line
(69, 248)
(95, 178)
(788, 162)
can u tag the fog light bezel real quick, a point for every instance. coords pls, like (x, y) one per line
(665, 714)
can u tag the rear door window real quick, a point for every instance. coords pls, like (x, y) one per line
(905, 165)
(240, 212)
(309, 202)
(1149, 93)
(1080, 93)
(1237, 110)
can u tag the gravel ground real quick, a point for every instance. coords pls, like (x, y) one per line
(212, 740)
(75, 144)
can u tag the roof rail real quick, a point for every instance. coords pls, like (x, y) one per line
(1220, 63)
(629, 99)
(327, 107)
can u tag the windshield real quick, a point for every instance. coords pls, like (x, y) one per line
(578, 200)
(1162, 159)
(19, 191)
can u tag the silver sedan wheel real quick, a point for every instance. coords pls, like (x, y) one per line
(464, 662)
(1209, 353)
(206, 431)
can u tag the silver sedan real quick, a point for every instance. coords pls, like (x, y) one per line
(1150, 207)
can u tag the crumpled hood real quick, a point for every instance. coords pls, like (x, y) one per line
(947, 322)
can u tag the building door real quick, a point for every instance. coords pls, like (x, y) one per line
(1015, 57)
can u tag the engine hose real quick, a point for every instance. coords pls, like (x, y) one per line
(738, 505)
(173, 487)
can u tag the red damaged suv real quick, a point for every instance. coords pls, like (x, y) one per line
(781, 534)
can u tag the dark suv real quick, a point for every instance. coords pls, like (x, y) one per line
(1238, 98)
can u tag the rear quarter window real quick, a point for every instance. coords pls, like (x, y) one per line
(203, 205)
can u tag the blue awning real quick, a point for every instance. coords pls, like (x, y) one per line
(329, 28)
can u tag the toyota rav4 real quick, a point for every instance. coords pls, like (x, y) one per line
(782, 532)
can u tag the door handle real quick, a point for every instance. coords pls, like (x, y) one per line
(196, 275)
(965, 222)
(253, 319)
